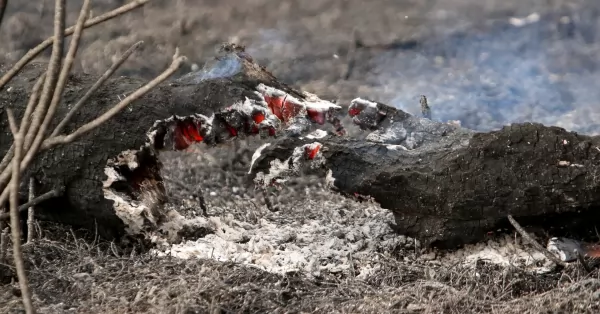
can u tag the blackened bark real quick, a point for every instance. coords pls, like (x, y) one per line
(79, 167)
(457, 185)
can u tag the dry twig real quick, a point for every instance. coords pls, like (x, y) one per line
(95, 87)
(33, 98)
(69, 31)
(42, 198)
(534, 243)
(14, 214)
(30, 211)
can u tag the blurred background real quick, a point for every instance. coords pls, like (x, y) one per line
(486, 63)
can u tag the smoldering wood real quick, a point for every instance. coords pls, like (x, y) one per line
(444, 184)
(448, 186)
(78, 169)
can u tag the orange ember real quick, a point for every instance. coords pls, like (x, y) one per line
(184, 134)
(316, 116)
(311, 153)
(283, 109)
(258, 117)
(354, 111)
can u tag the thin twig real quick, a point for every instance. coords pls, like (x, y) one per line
(65, 139)
(49, 84)
(33, 98)
(51, 74)
(534, 243)
(69, 31)
(95, 87)
(14, 219)
(64, 73)
(36, 201)
(30, 211)
(3, 243)
(582, 261)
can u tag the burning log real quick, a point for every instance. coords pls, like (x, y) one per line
(110, 178)
(448, 185)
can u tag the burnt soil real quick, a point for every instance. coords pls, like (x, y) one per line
(309, 44)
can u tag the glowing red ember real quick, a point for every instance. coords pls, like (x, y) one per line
(311, 151)
(186, 133)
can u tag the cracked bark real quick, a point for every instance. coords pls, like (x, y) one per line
(78, 169)
(459, 185)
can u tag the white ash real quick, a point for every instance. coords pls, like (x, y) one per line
(328, 239)
(362, 103)
(281, 171)
(565, 249)
(394, 134)
(256, 155)
(317, 134)
(504, 251)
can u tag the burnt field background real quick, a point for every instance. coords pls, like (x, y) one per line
(486, 63)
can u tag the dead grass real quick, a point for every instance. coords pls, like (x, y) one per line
(71, 273)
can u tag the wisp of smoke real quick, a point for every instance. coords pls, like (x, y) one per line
(225, 66)
(545, 71)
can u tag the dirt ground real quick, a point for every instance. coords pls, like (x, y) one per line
(485, 63)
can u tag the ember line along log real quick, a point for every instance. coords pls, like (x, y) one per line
(447, 185)
(111, 177)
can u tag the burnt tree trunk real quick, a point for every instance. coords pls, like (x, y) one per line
(448, 186)
(126, 143)
(444, 183)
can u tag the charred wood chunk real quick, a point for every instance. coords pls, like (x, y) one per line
(111, 176)
(447, 185)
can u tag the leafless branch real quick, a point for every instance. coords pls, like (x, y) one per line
(49, 85)
(69, 31)
(64, 73)
(30, 211)
(95, 87)
(14, 211)
(39, 199)
(65, 139)
(534, 243)
(3, 243)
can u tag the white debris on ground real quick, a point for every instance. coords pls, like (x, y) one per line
(328, 239)
(505, 251)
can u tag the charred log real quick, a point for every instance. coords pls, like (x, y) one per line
(447, 185)
(111, 176)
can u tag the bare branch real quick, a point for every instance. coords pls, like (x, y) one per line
(51, 74)
(33, 98)
(14, 210)
(64, 73)
(69, 31)
(50, 82)
(65, 139)
(534, 243)
(95, 87)
(30, 211)
(42, 198)
(3, 243)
